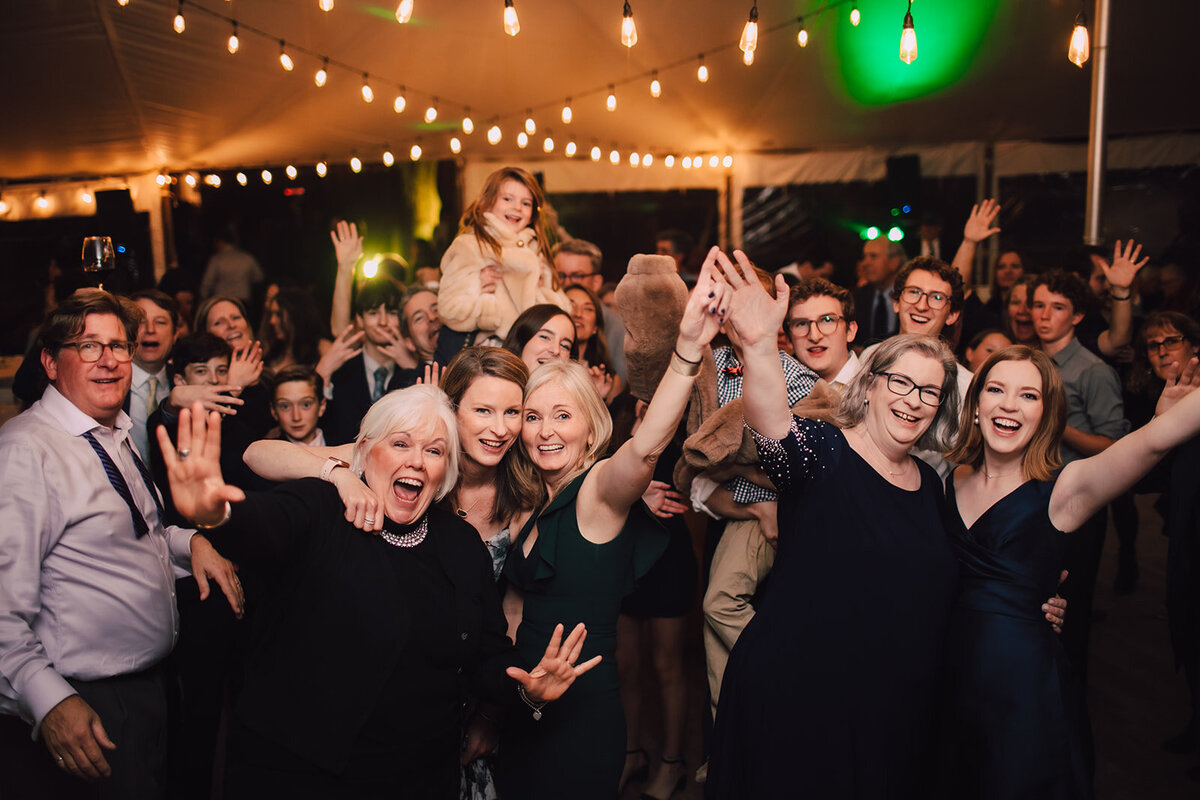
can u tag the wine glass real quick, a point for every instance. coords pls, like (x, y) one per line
(98, 258)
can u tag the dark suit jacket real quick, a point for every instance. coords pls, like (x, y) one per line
(864, 306)
(352, 399)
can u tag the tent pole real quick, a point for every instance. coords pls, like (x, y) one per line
(1097, 141)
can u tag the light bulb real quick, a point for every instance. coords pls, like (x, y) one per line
(702, 72)
(285, 60)
(634, 159)
(669, 161)
(86, 197)
(368, 94)
(1080, 47)
(388, 158)
(266, 176)
(431, 112)
(749, 40)
(614, 157)
(610, 102)
(242, 179)
(727, 162)
(122, 4)
(647, 160)
(468, 124)
(802, 36)
(415, 152)
(189, 179)
(494, 134)
(404, 11)
(291, 172)
(42, 202)
(655, 86)
(455, 144)
(399, 104)
(522, 140)
(233, 43)
(356, 164)
(161, 179)
(595, 154)
(548, 145)
(628, 28)
(530, 125)
(325, 5)
(570, 149)
(3, 206)
(180, 24)
(908, 38)
(567, 113)
(322, 168)
(512, 25)
(370, 267)
(855, 17)
(214, 181)
(322, 74)
(714, 161)
(748, 57)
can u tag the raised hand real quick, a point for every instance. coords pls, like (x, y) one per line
(211, 398)
(1180, 386)
(432, 376)
(979, 222)
(557, 670)
(194, 468)
(705, 310)
(753, 313)
(1125, 266)
(347, 244)
(601, 380)
(663, 501)
(346, 346)
(396, 348)
(246, 365)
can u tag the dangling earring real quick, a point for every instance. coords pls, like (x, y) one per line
(976, 417)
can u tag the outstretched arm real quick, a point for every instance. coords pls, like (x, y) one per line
(756, 316)
(1120, 276)
(348, 248)
(978, 228)
(277, 460)
(1086, 486)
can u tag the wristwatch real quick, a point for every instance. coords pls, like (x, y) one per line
(331, 464)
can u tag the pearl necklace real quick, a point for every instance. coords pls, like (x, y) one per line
(410, 539)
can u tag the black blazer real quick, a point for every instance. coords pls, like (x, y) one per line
(352, 398)
(864, 306)
(333, 626)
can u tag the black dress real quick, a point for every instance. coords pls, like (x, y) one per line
(1013, 723)
(830, 691)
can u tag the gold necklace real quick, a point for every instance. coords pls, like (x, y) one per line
(863, 434)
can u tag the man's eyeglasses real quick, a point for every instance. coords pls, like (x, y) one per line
(90, 352)
(903, 386)
(576, 278)
(912, 294)
(1168, 342)
(826, 324)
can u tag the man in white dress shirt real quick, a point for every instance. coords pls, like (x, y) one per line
(156, 337)
(87, 607)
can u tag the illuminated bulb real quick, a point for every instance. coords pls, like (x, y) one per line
(242, 179)
(325, 5)
(368, 94)
(749, 41)
(356, 164)
(455, 144)
(611, 101)
(570, 149)
(122, 4)
(655, 86)
(431, 112)
(87, 197)
(855, 17)
(493, 134)
(595, 154)
(908, 38)
(399, 104)
(213, 181)
(266, 176)
(748, 57)
(404, 11)
(634, 159)
(370, 267)
(512, 25)
(702, 71)
(3, 206)
(415, 152)
(1080, 47)
(291, 172)
(727, 162)
(548, 145)
(567, 113)
(669, 161)
(161, 179)
(233, 43)
(628, 28)
(468, 124)
(285, 60)
(322, 74)
(42, 203)
(714, 161)
(322, 168)
(189, 179)
(388, 158)
(687, 162)
(614, 157)
(802, 36)
(522, 140)
(530, 125)
(180, 24)
(647, 160)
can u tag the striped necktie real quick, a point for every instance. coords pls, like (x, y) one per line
(140, 528)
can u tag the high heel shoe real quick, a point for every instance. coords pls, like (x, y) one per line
(637, 773)
(679, 784)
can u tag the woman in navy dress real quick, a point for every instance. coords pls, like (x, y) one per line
(1014, 723)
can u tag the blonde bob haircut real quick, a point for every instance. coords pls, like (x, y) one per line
(418, 408)
(853, 409)
(1041, 460)
(578, 383)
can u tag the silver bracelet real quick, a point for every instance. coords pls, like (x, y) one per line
(537, 707)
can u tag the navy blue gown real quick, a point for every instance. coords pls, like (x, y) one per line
(1014, 724)
(831, 690)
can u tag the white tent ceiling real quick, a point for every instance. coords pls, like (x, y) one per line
(95, 89)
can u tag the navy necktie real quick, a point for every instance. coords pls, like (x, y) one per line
(140, 528)
(380, 383)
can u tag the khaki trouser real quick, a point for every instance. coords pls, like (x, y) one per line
(742, 559)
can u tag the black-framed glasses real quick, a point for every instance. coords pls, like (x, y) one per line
(913, 295)
(90, 351)
(1168, 342)
(903, 386)
(567, 278)
(826, 324)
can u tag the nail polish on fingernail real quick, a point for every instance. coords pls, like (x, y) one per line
(712, 294)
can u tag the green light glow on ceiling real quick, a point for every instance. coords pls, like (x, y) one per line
(950, 33)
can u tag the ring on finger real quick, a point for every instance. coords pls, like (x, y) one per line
(184, 453)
